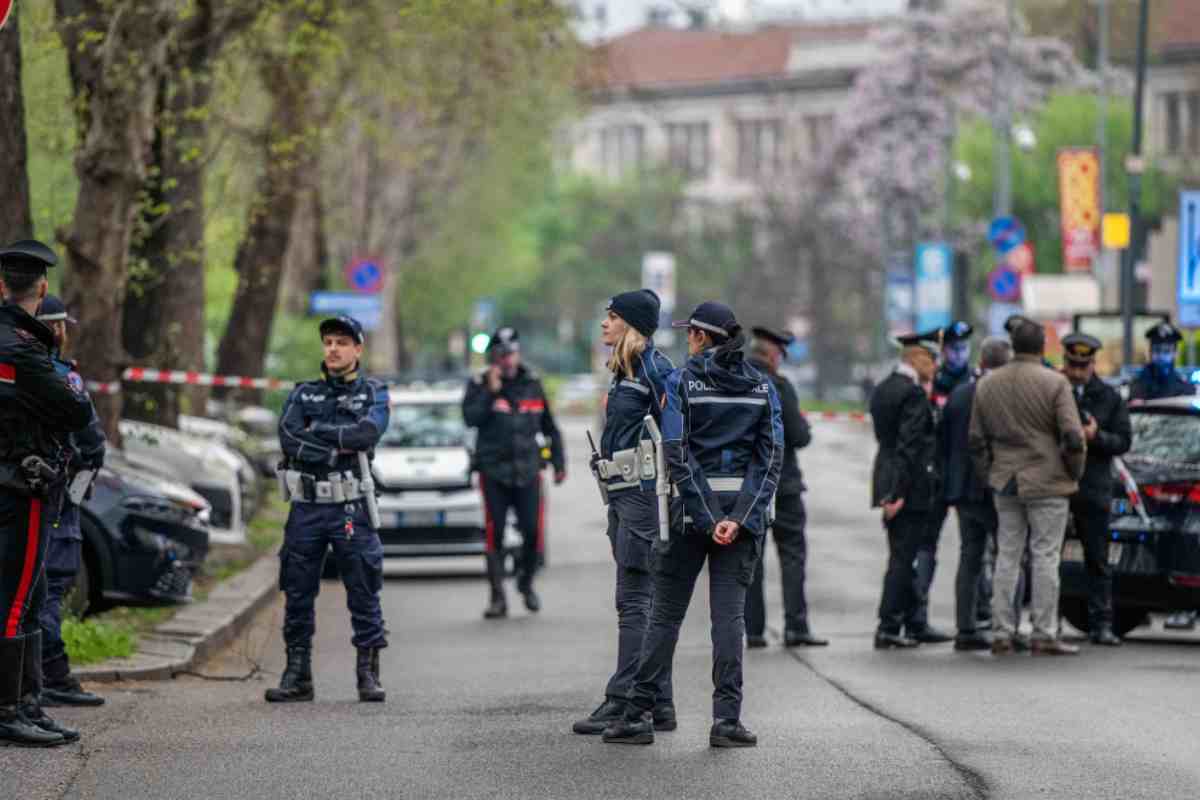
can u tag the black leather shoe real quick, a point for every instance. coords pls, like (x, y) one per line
(631, 731)
(930, 635)
(890, 641)
(496, 609)
(731, 733)
(295, 685)
(370, 690)
(1104, 637)
(972, 641)
(17, 731)
(802, 639)
(756, 642)
(38, 718)
(68, 692)
(664, 718)
(532, 602)
(605, 714)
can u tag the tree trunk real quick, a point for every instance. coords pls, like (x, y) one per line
(260, 256)
(116, 54)
(16, 221)
(164, 303)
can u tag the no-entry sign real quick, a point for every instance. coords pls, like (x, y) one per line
(6, 7)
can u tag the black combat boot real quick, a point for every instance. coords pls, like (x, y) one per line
(31, 690)
(61, 688)
(532, 602)
(730, 733)
(498, 606)
(15, 729)
(295, 685)
(1102, 634)
(605, 714)
(369, 688)
(664, 717)
(633, 728)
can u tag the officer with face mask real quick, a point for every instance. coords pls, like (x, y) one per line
(1159, 378)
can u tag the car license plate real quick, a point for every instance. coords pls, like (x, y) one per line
(421, 519)
(1072, 550)
(1114, 553)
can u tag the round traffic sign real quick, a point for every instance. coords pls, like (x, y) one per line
(1005, 233)
(365, 275)
(1004, 284)
(6, 7)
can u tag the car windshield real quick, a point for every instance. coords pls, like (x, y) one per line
(425, 425)
(1173, 438)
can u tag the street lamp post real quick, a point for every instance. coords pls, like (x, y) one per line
(1134, 167)
(1002, 123)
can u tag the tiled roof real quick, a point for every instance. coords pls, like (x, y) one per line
(1177, 26)
(656, 57)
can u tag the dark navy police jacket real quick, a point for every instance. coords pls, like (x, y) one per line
(323, 418)
(1154, 384)
(630, 400)
(722, 424)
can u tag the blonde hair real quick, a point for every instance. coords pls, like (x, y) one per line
(631, 344)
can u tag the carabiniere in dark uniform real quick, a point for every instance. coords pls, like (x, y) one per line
(38, 410)
(328, 432)
(1159, 378)
(621, 467)
(65, 538)
(1108, 432)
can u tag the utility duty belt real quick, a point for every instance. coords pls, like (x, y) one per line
(628, 468)
(337, 488)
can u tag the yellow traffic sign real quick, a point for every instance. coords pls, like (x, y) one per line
(1116, 231)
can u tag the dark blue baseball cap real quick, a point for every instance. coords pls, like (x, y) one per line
(343, 324)
(53, 310)
(712, 317)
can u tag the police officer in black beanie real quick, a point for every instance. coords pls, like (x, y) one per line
(639, 374)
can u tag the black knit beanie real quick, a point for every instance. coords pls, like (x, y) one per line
(640, 309)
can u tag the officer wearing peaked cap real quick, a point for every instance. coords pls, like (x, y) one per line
(904, 480)
(324, 426)
(1107, 430)
(768, 349)
(39, 408)
(1159, 378)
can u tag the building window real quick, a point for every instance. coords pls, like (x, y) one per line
(819, 129)
(622, 149)
(1174, 124)
(1193, 122)
(688, 148)
(760, 143)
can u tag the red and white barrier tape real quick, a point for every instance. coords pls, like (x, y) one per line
(179, 377)
(837, 416)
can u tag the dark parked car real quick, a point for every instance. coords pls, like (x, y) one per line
(1155, 547)
(144, 538)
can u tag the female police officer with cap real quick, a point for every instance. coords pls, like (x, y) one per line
(638, 384)
(723, 436)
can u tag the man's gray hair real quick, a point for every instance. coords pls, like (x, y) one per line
(995, 352)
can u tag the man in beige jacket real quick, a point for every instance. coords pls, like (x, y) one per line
(1027, 438)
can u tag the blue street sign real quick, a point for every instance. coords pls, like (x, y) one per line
(934, 296)
(1005, 234)
(365, 275)
(899, 302)
(1004, 284)
(1189, 259)
(366, 308)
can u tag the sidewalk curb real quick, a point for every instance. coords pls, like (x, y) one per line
(196, 632)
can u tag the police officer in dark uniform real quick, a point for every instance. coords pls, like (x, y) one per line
(1107, 430)
(638, 389)
(1159, 378)
(723, 437)
(38, 409)
(953, 371)
(65, 539)
(768, 349)
(324, 426)
(508, 406)
(904, 481)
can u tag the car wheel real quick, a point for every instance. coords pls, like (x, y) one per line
(1075, 610)
(1124, 619)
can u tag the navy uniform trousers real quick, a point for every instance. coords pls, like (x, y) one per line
(311, 529)
(788, 530)
(730, 570)
(632, 530)
(63, 554)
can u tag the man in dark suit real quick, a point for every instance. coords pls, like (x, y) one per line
(971, 496)
(904, 479)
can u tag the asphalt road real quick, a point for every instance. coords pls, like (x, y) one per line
(483, 709)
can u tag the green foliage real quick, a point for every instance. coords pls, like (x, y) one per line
(1067, 120)
(93, 640)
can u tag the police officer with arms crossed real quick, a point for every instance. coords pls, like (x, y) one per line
(65, 539)
(38, 409)
(904, 478)
(508, 406)
(1108, 432)
(768, 349)
(325, 425)
(638, 385)
(723, 436)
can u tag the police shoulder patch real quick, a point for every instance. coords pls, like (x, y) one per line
(75, 382)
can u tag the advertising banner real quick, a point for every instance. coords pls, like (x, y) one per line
(1079, 203)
